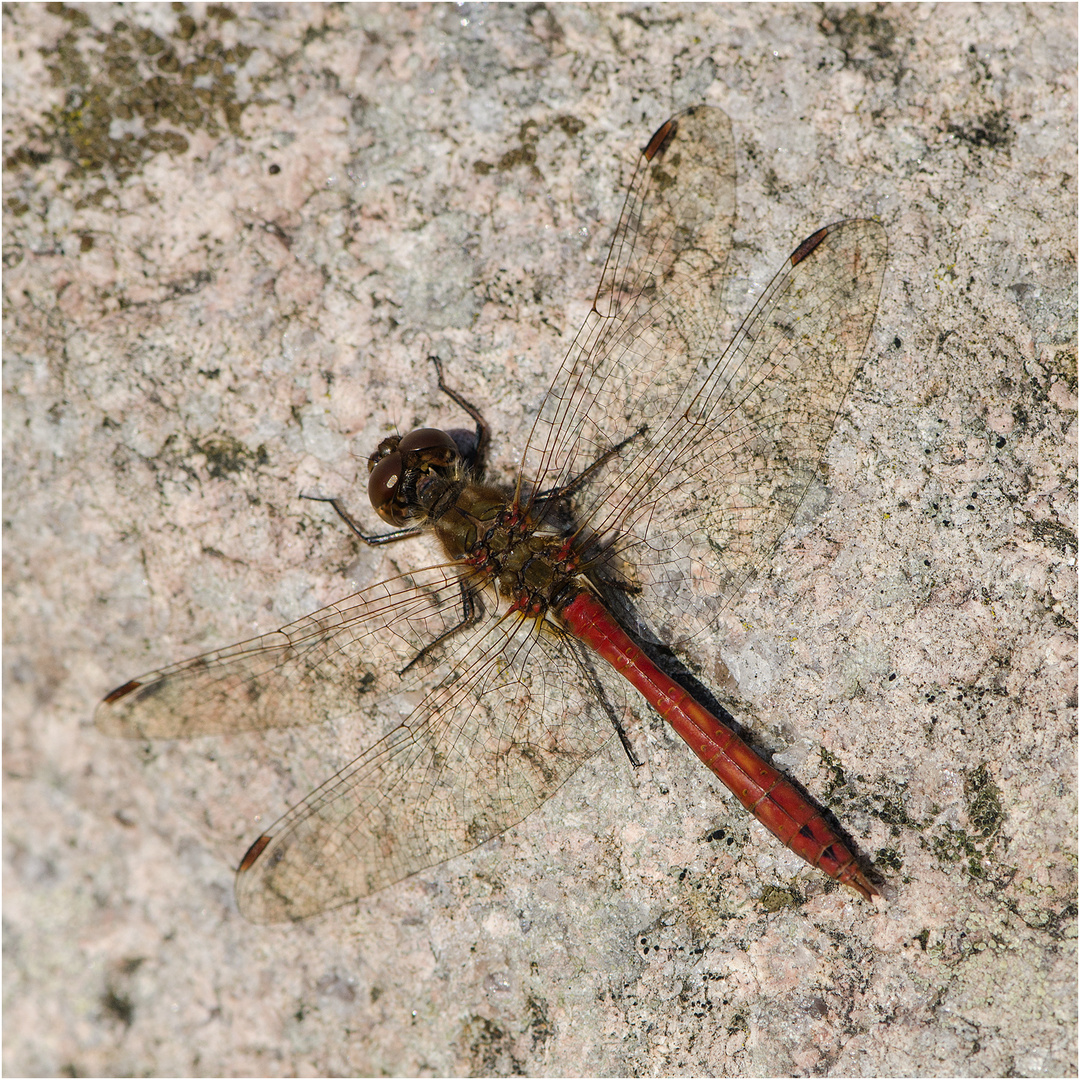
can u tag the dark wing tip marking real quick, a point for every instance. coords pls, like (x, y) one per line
(660, 138)
(253, 853)
(121, 691)
(808, 245)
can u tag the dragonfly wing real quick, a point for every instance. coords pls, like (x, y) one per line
(656, 310)
(509, 722)
(704, 453)
(337, 662)
(703, 504)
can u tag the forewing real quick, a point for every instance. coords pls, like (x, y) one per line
(656, 311)
(338, 662)
(512, 717)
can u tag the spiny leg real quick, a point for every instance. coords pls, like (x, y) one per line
(478, 457)
(583, 657)
(371, 541)
(469, 605)
(575, 482)
(471, 612)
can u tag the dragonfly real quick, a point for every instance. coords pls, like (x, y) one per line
(659, 474)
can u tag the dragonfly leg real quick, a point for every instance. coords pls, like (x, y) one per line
(471, 612)
(583, 658)
(625, 740)
(478, 457)
(371, 541)
(575, 482)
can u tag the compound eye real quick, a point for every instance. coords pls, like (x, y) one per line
(383, 484)
(426, 438)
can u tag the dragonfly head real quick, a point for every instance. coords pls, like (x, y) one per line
(398, 467)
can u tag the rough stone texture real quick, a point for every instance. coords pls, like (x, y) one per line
(231, 236)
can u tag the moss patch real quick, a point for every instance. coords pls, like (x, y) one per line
(130, 93)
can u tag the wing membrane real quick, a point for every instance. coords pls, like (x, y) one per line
(327, 665)
(657, 307)
(503, 719)
(700, 501)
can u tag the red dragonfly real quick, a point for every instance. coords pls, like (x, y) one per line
(658, 477)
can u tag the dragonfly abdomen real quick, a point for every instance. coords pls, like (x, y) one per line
(788, 814)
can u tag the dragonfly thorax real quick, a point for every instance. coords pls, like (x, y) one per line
(420, 478)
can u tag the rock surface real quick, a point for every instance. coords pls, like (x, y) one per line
(232, 235)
